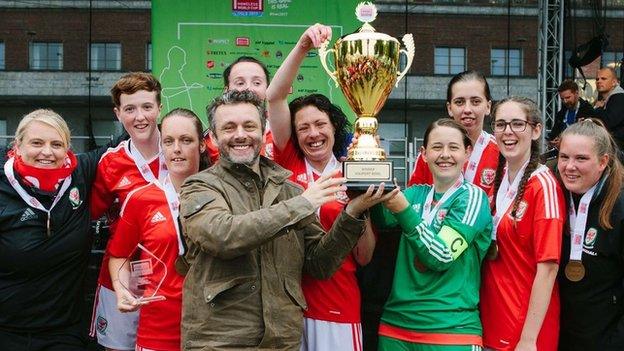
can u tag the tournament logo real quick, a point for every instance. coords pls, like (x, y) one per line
(441, 215)
(247, 8)
(590, 238)
(487, 176)
(522, 207)
(101, 323)
(341, 196)
(74, 198)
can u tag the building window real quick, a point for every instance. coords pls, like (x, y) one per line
(506, 62)
(46, 56)
(1, 55)
(106, 56)
(148, 57)
(449, 60)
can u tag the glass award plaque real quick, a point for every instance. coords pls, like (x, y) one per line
(142, 275)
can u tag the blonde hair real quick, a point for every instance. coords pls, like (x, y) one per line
(604, 144)
(47, 117)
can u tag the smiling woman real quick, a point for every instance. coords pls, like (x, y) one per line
(446, 229)
(591, 307)
(159, 321)
(44, 197)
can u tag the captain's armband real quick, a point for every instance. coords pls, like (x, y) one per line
(453, 240)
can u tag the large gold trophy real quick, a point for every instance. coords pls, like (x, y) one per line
(367, 68)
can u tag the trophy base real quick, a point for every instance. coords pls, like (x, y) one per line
(145, 300)
(362, 174)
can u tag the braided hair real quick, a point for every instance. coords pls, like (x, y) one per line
(530, 109)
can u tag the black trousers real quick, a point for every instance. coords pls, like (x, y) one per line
(71, 338)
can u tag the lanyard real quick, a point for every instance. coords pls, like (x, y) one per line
(505, 196)
(143, 165)
(31, 200)
(475, 157)
(428, 213)
(577, 224)
(173, 202)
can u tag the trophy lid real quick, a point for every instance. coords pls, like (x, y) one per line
(367, 12)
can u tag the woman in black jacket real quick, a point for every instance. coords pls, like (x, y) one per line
(592, 261)
(44, 236)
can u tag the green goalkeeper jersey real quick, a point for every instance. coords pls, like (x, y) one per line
(437, 274)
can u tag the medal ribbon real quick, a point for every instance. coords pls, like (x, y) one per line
(31, 200)
(475, 157)
(505, 196)
(428, 213)
(173, 202)
(143, 165)
(577, 224)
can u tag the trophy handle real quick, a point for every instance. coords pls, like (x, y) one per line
(323, 51)
(408, 41)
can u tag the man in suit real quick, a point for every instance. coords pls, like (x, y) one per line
(573, 107)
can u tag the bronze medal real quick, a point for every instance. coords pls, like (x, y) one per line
(574, 271)
(492, 252)
(181, 266)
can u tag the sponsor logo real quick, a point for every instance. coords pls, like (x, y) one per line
(416, 207)
(302, 178)
(123, 182)
(242, 41)
(158, 217)
(487, 176)
(74, 198)
(300, 78)
(265, 53)
(28, 215)
(218, 41)
(312, 54)
(101, 323)
(590, 238)
(278, 54)
(216, 52)
(210, 64)
(215, 75)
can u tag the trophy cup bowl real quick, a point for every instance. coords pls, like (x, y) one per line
(367, 68)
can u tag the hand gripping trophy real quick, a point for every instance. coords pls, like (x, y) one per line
(367, 66)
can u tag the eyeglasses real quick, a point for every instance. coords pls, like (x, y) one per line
(516, 125)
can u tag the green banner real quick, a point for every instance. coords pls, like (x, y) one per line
(193, 41)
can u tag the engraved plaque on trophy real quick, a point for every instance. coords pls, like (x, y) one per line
(367, 68)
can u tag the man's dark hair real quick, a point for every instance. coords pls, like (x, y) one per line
(337, 118)
(228, 69)
(568, 84)
(234, 97)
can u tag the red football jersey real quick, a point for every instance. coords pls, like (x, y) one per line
(485, 168)
(507, 281)
(145, 218)
(117, 175)
(336, 299)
